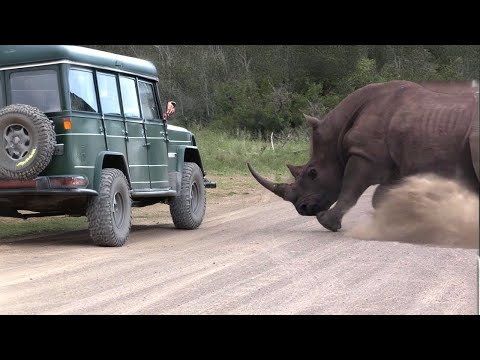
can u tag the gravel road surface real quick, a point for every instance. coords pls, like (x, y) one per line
(252, 255)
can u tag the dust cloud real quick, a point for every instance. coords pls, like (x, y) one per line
(425, 209)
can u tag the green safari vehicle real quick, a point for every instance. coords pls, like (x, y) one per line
(83, 133)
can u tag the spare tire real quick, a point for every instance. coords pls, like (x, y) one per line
(27, 142)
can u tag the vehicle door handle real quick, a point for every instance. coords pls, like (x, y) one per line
(147, 144)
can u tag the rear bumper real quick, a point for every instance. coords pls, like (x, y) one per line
(7, 193)
(45, 202)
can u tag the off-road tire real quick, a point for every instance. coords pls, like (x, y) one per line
(110, 212)
(188, 207)
(27, 138)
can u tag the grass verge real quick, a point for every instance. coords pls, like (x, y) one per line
(224, 154)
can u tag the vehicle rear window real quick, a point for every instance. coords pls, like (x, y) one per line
(82, 90)
(37, 88)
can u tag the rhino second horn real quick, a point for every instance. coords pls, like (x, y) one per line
(276, 188)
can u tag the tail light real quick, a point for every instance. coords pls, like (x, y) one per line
(47, 182)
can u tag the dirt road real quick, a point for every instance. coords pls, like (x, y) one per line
(253, 255)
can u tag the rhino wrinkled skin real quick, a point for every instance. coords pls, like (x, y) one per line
(377, 135)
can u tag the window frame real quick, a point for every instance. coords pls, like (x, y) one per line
(137, 93)
(153, 85)
(117, 86)
(8, 88)
(155, 99)
(95, 89)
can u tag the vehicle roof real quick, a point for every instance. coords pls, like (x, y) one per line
(21, 55)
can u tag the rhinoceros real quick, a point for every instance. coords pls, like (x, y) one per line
(380, 134)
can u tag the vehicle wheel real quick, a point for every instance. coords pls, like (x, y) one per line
(188, 207)
(27, 142)
(110, 212)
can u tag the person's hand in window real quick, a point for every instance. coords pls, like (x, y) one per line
(170, 109)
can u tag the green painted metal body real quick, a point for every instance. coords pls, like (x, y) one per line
(149, 152)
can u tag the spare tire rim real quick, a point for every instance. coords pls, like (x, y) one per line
(17, 142)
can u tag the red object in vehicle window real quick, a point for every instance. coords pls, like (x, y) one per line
(170, 109)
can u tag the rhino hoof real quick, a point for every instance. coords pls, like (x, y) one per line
(329, 221)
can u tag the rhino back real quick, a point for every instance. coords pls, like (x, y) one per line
(404, 129)
(428, 132)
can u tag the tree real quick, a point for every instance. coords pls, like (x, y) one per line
(267, 87)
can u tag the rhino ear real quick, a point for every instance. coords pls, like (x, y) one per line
(313, 122)
(295, 170)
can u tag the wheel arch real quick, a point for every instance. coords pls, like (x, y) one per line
(188, 154)
(109, 159)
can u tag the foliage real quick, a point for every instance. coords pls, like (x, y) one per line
(266, 88)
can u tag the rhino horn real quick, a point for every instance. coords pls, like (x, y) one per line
(276, 188)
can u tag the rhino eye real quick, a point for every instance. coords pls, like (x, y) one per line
(312, 174)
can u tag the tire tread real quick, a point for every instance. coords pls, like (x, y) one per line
(45, 147)
(180, 206)
(100, 220)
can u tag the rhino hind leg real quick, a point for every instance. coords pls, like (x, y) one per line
(379, 195)
(473, 139)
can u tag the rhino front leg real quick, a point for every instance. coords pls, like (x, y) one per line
(358, 176)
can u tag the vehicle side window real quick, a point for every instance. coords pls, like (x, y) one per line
(37, 88)
(82, 90)
(107, 87)
(129, 97)
(147, 98)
